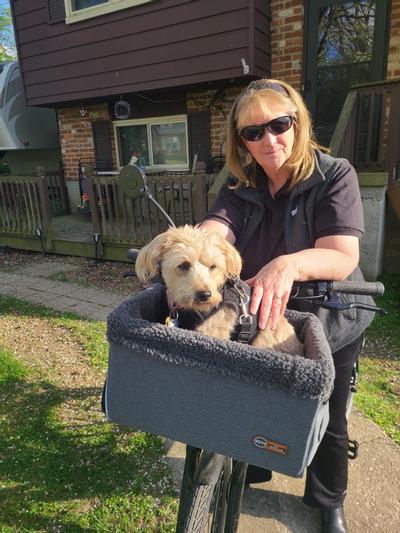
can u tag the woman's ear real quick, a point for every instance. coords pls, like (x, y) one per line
(149, 257)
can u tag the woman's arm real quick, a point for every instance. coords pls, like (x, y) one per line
(221, 228)
(333, 258)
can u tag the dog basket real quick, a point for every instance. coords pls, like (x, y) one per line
(265, 408)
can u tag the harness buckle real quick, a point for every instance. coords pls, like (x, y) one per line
(244, 337)
(245, 319)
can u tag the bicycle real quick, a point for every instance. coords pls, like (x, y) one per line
(213, 485)
(152, 369)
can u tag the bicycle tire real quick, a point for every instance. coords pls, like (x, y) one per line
(205, 509)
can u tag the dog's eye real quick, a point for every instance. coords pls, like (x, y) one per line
(185, 265)
(213, 267)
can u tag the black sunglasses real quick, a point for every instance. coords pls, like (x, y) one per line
(276, 127)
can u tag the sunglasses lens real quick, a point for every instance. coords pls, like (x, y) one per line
(253, 133)
(280, 125)
(276, 127)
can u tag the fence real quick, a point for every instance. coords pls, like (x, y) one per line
(368, 128)
(121, 219)
(28, 203)
(57, 192)
(22, 209)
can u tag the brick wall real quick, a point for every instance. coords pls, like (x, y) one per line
(219, 110)
(286, 64)
(393, 68)
(76, 136)
(287, 41)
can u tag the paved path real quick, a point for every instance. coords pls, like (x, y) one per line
(373, 502)
(30, 283)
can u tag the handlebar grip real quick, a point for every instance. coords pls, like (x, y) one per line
(372, 288)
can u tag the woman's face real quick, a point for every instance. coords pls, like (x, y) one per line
(272, 151)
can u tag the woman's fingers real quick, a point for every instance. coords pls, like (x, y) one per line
(265, 308)
(271, 291)
(270, 303)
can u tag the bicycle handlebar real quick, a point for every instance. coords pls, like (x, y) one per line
(372, 288)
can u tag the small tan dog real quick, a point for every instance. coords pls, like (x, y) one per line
(195, 265)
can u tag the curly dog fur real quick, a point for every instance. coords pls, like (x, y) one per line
(195, 264)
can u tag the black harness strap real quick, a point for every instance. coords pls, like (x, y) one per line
(235, 294)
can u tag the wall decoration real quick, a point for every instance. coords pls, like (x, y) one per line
(122, 109)
(83, 113)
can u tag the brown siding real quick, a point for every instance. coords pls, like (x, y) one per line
(165, 43)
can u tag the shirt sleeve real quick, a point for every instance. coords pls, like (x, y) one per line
(340, 211)
(228, 209)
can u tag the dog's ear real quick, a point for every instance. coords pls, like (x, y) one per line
(149, 257)
(232, 258)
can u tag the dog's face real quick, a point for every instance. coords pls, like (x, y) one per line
(194, 264)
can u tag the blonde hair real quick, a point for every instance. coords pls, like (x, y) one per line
(254, 98)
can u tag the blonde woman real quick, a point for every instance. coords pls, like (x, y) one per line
(295, 214)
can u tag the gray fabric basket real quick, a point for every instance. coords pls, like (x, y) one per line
(265, 408)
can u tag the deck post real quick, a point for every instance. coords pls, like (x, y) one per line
(45, 209)
(200, 197)
(94, 214)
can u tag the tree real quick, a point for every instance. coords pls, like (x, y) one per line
(346, 33)
(8, 51)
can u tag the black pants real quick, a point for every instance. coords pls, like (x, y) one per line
(326, 480)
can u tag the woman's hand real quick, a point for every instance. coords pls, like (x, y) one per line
(271, 290)
(334, 258)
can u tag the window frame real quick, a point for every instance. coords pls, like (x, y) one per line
(72, 16)
(148, 122)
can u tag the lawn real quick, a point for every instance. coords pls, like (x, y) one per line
(63, 467)
(379, 388)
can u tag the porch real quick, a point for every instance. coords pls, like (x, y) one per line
(367, 134)
(35, 212)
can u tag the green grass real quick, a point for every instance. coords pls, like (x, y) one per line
(83, 475)
(388, 326)
(379, 388)
(11, 370)
(95, 477)
(89, 333)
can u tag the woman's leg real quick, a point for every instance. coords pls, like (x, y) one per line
(326, 480)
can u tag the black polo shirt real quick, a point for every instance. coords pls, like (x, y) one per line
(338, 213)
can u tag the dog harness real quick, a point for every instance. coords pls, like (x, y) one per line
(235, 294)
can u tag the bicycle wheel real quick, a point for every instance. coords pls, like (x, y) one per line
(204, 509)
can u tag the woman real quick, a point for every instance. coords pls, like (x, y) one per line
(295, 214)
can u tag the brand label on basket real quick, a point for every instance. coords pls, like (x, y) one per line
(270, 445)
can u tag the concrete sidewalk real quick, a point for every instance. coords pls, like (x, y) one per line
(30, 283)
(373, 501)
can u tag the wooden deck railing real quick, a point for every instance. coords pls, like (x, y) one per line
(28, 203)
(119, 218)
(57, 191)
(368, 129)
(23, 208)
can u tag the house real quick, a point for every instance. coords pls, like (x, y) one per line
(158, 77)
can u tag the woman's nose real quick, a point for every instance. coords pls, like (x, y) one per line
(268, 137)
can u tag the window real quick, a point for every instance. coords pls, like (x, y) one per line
(161, 143)
(77, 10)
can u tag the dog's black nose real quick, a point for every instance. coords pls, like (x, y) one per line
(203, 296)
